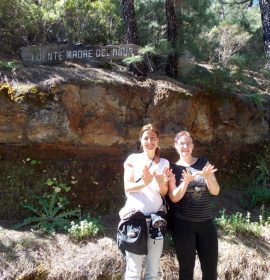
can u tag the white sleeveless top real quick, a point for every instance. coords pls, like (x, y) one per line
(148, 199)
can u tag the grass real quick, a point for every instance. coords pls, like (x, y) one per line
(33, 255)
(57, 257)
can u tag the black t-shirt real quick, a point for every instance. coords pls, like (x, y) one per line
(194, 205)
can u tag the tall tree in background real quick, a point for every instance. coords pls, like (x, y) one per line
(130, 22)
(172, 59)
(265, 13)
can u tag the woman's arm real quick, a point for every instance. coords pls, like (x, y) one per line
(208, 173)
(177, 192)
(162, 181)
(163, 189)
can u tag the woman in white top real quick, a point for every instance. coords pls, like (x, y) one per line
(145, 182)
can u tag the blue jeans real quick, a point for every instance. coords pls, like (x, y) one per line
(152, 262)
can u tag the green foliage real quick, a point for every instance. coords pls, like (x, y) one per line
(50, 214)
(240, 14)
(92, 21)
(241, 18)
(133, 60)
(30, 21)
(85, 228)
(151, 21)
(141, 63)
(195, 74)
(252, 54)
(100, 22)
(20, 21)
(19, 180)
(227, 39)
(258, 196)
(256, 98)
(239, 59)
(147, 50)
(237, 223)
(9, 65)
(262, 168)
(215, 80)
(194, 21)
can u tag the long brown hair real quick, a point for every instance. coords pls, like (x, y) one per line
(153, 128)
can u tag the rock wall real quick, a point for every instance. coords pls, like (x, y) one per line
(93, 119)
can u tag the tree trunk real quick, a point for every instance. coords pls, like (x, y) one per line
(222, 11)
(172, 59)
(130, 22)
(265, 14)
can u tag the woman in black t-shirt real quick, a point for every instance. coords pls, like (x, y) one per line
(192, 181)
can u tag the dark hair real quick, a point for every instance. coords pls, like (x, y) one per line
(153, 128)
(181, 134)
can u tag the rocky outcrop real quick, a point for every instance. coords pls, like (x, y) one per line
(108, 112)
(95, 115)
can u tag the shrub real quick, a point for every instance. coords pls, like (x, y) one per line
(229, 39)
(262, 169)
(237, 223)
(9, 65)
(93, 22)
(257, 196)
(88, 227)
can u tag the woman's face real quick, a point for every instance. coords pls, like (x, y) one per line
(149, 140)
(185, 146)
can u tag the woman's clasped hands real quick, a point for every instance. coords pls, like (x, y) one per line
(206, 172)
(163, 178)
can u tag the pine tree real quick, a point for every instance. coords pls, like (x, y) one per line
(172, 59)
(265, 14)
(129, 16)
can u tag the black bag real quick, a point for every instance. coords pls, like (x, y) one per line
(132, 236)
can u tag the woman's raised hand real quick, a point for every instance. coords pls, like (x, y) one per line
(188, 176)
(147, 176)
(207, 171)
(163, 180)
(168, 175)
(165, 177)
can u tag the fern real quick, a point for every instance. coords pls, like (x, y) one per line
(148, 49)
(133, 59)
